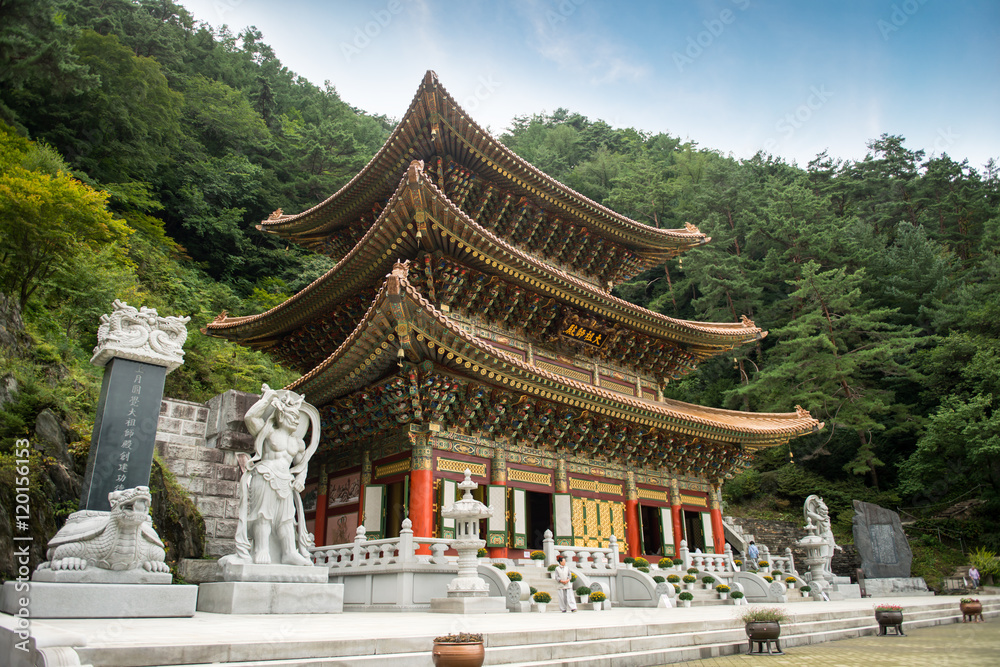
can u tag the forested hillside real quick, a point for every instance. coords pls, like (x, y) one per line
(138, 147)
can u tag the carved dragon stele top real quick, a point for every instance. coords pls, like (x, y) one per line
(123, 539)
(141, 335)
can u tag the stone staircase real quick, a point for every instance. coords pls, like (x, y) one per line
(596, 639)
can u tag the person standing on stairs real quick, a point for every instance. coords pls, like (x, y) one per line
(564, 579)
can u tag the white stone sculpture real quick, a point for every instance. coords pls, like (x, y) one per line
(467, 511)
(122, 539)
(140, 335)
(818, 514)
(272, 523)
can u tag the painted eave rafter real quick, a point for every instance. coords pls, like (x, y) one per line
(433, 106)
(401, 324)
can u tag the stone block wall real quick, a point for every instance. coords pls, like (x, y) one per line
(778, 535)
(209, 474)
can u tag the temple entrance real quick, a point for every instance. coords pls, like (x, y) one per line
(652, 537)
(694, 531)
(396, 505)
(538, 512)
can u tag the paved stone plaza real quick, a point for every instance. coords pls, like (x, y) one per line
(829, 633)
(970, 644)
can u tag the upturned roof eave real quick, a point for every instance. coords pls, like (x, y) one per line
(296, 311)
(349, 198)
(332, 379)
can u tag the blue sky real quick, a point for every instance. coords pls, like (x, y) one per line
(790, 77)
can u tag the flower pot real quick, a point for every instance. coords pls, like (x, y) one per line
(541, 607)
(583, 598)
(764, 633)
(689, 587)
(685, 603)
(466, 654)
(971, 611)
(723, 596)
(889, 619)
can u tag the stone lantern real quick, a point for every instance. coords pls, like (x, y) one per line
(467, 592)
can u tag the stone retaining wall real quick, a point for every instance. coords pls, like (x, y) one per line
(778, 535)
(198, 443)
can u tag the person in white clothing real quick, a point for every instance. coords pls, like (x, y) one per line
(564, 579)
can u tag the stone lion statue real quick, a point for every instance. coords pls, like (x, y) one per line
(122, 539)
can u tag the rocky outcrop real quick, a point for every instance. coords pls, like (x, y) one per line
(13, 337)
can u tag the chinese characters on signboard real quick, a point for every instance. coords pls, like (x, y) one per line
(583, 334)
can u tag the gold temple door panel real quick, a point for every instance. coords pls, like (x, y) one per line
(666, 532)
(448, 491)
(706, 522)
(496, 525)
(374, 516)
(519, 518)
(562, 519)
(595, 521)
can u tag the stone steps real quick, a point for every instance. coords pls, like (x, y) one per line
(635, 637)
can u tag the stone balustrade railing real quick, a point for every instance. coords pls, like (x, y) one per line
(394, 550)
(583, 558)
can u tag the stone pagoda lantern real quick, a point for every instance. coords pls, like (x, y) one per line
(468, 593)
(813, 545)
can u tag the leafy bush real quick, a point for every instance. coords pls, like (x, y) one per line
(643, 569)
(708, 580)
(532, 590)
(665, 563)
(658, 579)
(985, 561)
(686, 595)
(597, 596)
(677, 589)
(552, 567)
(514, 576)
(690, 578)
(722, 588)
(762, 563)
(482, 553)
(692, 570)
(790, 580)
(755, 614)
(628, 560)
(537, 555)
(541, 597)
(673, 578)
(775, 573)
(678, 561)
(806, 589)
(583, 590)
(768, 578)
(641, 562)
(500, 566)
(736, 595)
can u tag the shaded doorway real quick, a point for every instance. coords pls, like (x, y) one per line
(652, 536)
(538, 511)
(694, 531)
(396, 506)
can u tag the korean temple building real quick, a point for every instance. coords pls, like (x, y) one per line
(469, 324)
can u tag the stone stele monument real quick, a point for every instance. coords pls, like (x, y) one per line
(885, 552)
(107, 560)
(271, 571)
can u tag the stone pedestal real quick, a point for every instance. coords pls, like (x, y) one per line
(265, 597)
(896, 587)
(81, 600)
(248, 588)
(469, 605)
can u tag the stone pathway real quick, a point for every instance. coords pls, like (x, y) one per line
(969, 644)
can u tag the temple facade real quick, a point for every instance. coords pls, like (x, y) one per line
(469, 324)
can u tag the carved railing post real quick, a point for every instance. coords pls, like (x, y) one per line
(548, 546)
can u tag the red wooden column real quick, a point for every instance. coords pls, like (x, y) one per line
(320, 524)
(498, 477)
(421, 485)
(632, 516)
(715, 513)
(675, 515)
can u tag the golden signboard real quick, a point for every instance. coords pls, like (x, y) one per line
(583, 334)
